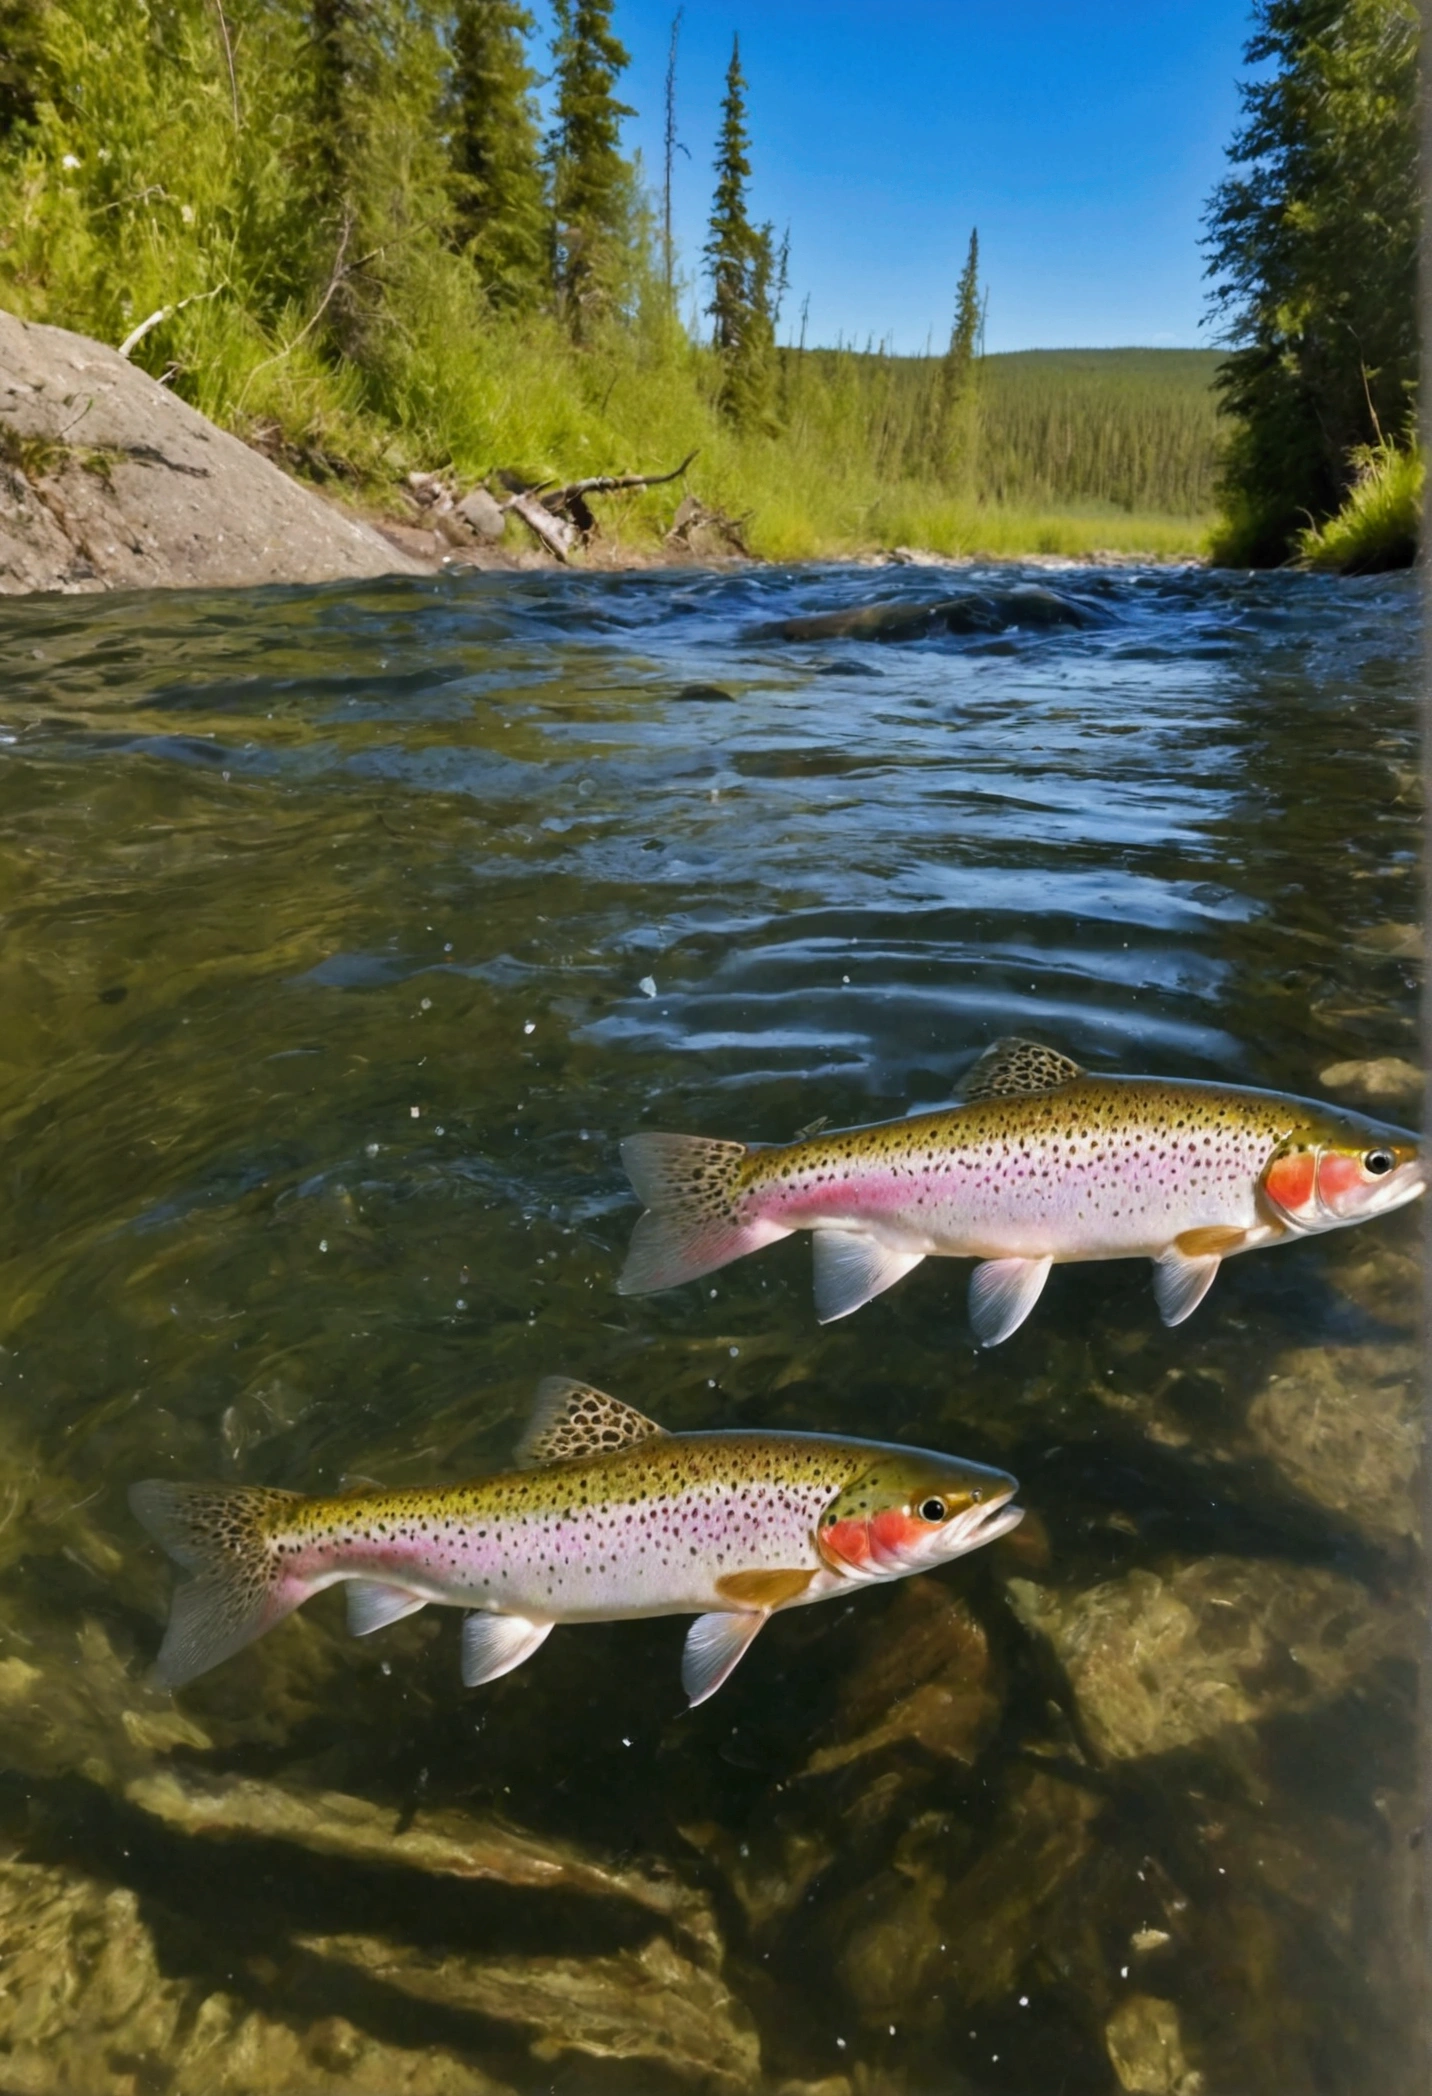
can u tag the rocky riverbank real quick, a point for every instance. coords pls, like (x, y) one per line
(108, 481)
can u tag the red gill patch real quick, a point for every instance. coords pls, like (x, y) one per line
(846, 1543)
(1289, 1180)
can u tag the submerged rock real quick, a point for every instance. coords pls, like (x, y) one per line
(649, 2004)
(997, 1912)
(1146, 2049)
(82, 1708)
(85, 2010)
(1024, 604)
(1381, 1078)
(1344, 1425)
(891, 1963)
(925, 1677)
(769, 1871)
(1161, 1661)
(449, 1844)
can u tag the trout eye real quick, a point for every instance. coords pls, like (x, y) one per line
(932, 1510)
(1378, 1162)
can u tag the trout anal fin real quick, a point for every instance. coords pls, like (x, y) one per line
(494, 1645)
(1002, 1294)
(1012, 1067)
(851, 1267)
(1181, 1281)
(715, 1646)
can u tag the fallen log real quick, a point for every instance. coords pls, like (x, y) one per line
(555, 533)
(561, 517)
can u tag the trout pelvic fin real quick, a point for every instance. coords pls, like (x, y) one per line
(1013, 1066)
(692, 1225)
(570, 1420)
(1181, 1282)
(373, 1605)
(715, 1646)
(494, 1645)
(1002, 1294)
(851, 1267)
(237, 1586)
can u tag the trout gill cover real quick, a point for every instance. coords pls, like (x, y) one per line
(1041, 1163)
(608, 1516)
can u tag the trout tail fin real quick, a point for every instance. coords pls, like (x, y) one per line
(239, 1584)
(694, 1220)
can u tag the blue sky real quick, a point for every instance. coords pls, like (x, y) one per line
(1082, 139)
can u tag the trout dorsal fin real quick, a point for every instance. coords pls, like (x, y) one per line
(1012, 1066)
(572, 1419)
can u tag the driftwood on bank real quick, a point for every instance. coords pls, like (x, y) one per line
(562, 517)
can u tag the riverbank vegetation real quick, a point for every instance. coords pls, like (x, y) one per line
(1312, 242)
(348, 230)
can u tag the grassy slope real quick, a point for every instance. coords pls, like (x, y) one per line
(1080, 452)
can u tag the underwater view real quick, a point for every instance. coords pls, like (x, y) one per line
(350, 932)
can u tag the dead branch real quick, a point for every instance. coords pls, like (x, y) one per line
(163, 313)
(608, 483)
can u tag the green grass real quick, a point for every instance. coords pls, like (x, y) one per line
(1377, 526)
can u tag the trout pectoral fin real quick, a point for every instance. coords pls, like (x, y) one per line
(373, 1606)
(1221, 1238)
(1182, 1281)
(1002, 1294)
(763, 1589)
(850, 1268)
(493, 1645)
(715, 1645)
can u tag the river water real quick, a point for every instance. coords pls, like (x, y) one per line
(346, 933)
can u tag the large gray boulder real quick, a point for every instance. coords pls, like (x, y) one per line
(108, 482)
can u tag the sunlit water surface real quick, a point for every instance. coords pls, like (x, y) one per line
(346, 931)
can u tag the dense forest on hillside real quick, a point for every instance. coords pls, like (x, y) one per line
(351, 231)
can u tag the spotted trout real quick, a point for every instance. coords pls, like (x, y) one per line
(1040, 1164)
(607, 1516)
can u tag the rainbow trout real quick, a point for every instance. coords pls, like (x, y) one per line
(606, 1517)
(1040, 1163)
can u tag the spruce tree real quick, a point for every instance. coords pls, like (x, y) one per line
(592, 185)
(333, 156)
(502, 211)
(671, 146)
(375, 172)
(1312, 244)
(955, 435)
(742, 265)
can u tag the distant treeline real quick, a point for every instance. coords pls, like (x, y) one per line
(346, 229)
(1137, 429)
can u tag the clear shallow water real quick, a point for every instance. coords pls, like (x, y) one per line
(346, 933)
